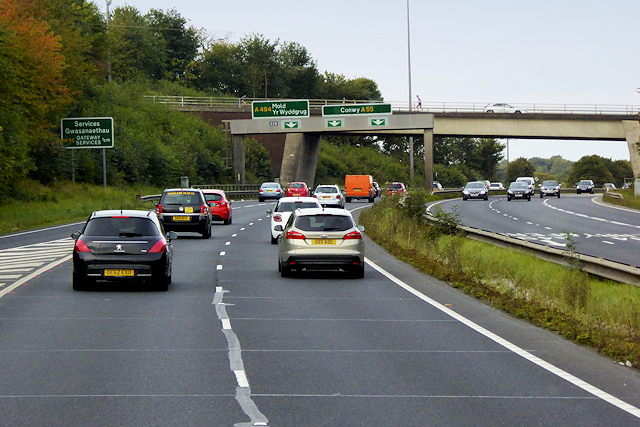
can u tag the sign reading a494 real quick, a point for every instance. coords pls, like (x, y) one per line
(271, 109)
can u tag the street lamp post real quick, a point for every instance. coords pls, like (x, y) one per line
(410, 98)
(108, 43)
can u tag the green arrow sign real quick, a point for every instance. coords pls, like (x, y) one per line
(355, 109)
(271, 109)
(87, 132)
(380, 121)
(291, 125)
(335, 123)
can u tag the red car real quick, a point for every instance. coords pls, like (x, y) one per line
(219, 204)
(298, 189)
(396, 187)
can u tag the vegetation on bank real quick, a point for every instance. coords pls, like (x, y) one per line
(598, 313)
(35, 205)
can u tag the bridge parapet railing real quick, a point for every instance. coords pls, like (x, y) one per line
(245, 190)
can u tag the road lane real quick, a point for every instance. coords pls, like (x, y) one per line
(315, 349)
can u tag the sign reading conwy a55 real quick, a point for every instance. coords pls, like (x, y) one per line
(271, 109)
(87, 132)
(355, 109)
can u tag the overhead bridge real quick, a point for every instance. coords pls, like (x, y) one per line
(301, 147)
(301, 143)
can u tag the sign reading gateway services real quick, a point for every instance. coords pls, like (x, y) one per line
(355, 109)
(87, 132)
(271, 109)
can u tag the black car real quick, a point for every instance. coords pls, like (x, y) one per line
(584, 186)
(122, 246)
(185, 209)
(519, 190)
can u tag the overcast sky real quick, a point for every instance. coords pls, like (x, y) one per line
(543, 52)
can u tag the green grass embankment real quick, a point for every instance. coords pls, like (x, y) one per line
(34, 206)
(598, 313)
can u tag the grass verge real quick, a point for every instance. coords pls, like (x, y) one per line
(35, 206)
(598, 313)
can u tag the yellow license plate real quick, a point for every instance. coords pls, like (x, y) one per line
(118, 273)
(326, 197)
(323, 241)
(357, 189)
(181, 218)
(269, 191)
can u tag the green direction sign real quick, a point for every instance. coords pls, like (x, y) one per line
(87, 132)
(378, 121)
(271, 109)
(335, 123)
(355, 109)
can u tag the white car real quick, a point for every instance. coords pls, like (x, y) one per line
(329, 195)
(496, 186)
(503, 108)
(285, 206)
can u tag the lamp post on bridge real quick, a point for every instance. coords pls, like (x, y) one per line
(410, 95)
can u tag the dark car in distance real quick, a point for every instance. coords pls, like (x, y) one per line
(185, 209)
(584, 186)
(122, 246)
(519, 190)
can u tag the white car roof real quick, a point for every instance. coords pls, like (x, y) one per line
(325, 211)
(297, 199)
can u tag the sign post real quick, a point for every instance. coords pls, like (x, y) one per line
(88, 132)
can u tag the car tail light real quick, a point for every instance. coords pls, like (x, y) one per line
(203, 209)
(338, 197)
(159, 246)
(353, 235)
(81, 246)
(294, 235)
(261, 190)
(159, 209)
(277, 217)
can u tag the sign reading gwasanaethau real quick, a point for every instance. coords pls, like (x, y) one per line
(271, 109)
(87, 132)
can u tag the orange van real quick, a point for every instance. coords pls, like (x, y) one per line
(359, 187)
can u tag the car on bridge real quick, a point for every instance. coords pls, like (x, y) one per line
(503, 108)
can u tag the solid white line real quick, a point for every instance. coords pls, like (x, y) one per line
(42, 229)
(517, 350)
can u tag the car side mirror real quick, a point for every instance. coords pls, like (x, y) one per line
(278, 228)
(361, 228)
(75, 235)
(172, 235)
(269, 211)
(230, 202)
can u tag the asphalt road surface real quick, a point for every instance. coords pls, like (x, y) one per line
(597, 229)
(234, 344)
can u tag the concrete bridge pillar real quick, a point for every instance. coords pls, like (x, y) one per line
(300, 158)
(428, 159)
(632, 135)
(238, 159)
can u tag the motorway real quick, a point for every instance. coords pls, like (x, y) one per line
(597, 229)
(234, 344)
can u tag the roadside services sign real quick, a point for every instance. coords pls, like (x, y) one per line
(355, 109)
(271, 109)
(87, 132)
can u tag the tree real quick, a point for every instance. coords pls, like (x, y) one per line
(257, 162)
(519, 167)
(181, 42)
(591, 167)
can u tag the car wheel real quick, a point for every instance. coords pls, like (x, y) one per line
(529, 198)
(206, 233)
(558, 195)
(371, 199)
(489, 111)
(80, 283)
(348, 199)
(162, 283)
(260, 199)
(226, 221)
(357, 272)
(285, 271)
(486, 197)
(508, 199)
(274, 240)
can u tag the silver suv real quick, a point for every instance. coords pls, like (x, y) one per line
(326, 239)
